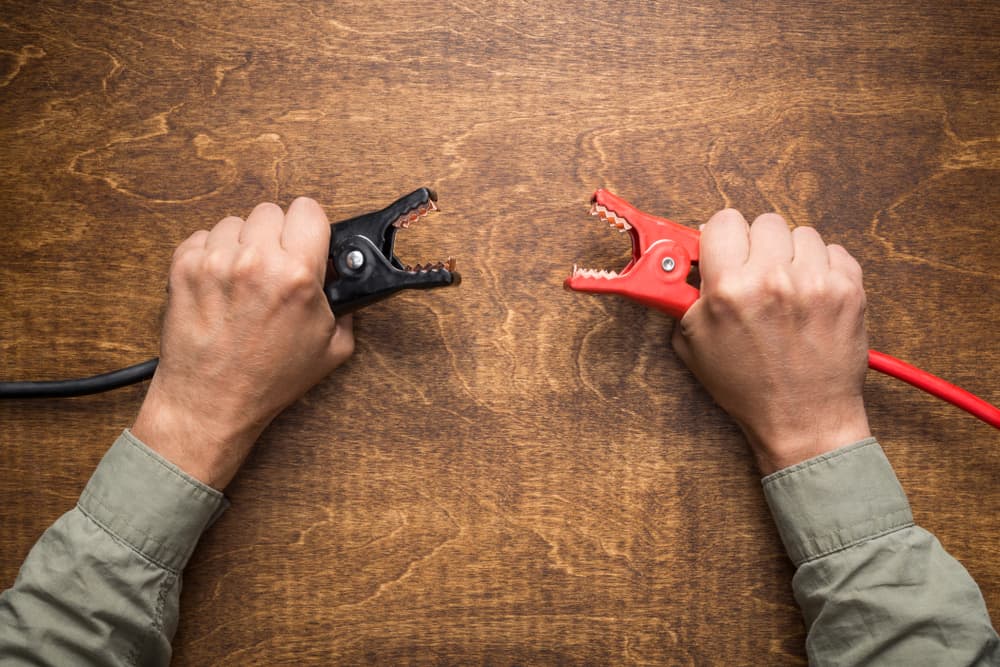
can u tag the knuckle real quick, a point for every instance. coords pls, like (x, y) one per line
(846, 294)
(189, 247)
(812, 288)
(183, 269)
(300, 276)
(299, 282)
(216, 264)
(248, 263)
(726, 296)
(776, 285)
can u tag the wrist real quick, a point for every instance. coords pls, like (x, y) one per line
(783, 448)
(210, 449)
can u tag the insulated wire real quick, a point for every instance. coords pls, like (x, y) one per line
(82, 386)
(935, 386)
(883, 363)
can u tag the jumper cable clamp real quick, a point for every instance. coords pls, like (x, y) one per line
(363, 268)
(663, 253)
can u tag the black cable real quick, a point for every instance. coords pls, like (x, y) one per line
(81, 386)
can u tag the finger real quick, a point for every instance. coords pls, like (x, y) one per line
(192, 243)
(843, 262)
(188, 249)
(725, 243)
(306, 234)
(810, 253)
(184, 263)
(197, 239)
(770, 241)
(225, 235)
(263, 226)
(342, 342)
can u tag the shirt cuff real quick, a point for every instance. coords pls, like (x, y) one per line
(150, 504)
(836, 500)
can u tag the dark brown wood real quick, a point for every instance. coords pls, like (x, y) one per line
(505, 473)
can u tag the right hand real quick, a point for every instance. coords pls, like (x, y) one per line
(778, 337)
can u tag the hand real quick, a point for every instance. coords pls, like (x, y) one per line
(247, 331)
(778, 337)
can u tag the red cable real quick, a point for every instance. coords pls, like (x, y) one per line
(935, 386)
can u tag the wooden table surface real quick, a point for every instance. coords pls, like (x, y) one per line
(506, 472)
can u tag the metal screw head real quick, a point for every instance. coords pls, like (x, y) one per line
(668, 264)
(355, 259)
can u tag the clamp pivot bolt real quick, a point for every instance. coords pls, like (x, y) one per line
(355, 259)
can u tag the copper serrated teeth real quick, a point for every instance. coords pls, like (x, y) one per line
(593, 273)
(610, 217)
(449, 264)
(412, 216)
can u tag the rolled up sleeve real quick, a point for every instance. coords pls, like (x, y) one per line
(874, 588)
(102, 584)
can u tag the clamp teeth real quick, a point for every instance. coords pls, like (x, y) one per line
(615, 221)
(412, 216)
(593, 273)
(610, 217)
(431, 266)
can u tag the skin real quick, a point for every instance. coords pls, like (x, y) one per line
(247, 331)
(778, 337)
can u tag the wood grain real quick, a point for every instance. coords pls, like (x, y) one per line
(505, 473)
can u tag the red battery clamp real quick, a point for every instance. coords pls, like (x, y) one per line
(663, 253)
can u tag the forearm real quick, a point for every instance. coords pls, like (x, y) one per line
(102, 584)
(248, 330)
(873, 587)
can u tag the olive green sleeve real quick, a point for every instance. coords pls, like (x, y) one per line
(874, 588)
(102, 584)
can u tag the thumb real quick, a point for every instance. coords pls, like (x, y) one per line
(342, 341)
(680, 343)
(684, 328)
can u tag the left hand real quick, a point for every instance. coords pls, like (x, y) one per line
(247, 331)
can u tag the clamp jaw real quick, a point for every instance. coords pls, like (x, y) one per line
(362, 268)
(662, 255)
